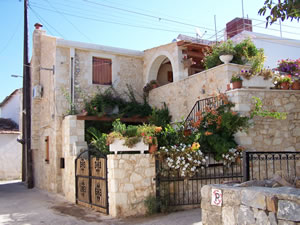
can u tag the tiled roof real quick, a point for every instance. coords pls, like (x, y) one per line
(8, 125)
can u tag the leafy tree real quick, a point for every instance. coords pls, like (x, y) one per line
(286, 9)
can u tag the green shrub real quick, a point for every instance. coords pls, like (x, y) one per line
(160, 117)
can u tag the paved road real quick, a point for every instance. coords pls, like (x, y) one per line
(20, 206)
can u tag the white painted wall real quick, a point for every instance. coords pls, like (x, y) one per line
(11, 109)
(10, 157)
(275, 48)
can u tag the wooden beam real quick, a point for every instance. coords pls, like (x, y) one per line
(193, 54)
(110, 119)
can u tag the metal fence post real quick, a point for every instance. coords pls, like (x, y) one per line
(246, 167)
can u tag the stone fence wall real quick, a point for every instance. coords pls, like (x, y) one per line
(180, 96)
(251, 205)
(268, 134)
(130, 182)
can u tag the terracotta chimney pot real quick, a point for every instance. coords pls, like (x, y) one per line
(38, 26)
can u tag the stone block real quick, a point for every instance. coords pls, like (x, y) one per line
(288, 210)
(296, 132)
(272, 218)
(134, 178)
(272, 203)
(206, 204)
(285, 222)
(253, 198)
(229, 215)
(245, 216)
(211, 217)
(206, 192)
(232, 197)
(262, 218)
(128, 188)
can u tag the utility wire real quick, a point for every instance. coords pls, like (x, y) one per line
(117, 16)
(69, 21)
(44, 21)
(147, 15)
(112, 22)
(10, 38)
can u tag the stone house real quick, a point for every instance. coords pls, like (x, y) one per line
(10, 149)
(64, 71)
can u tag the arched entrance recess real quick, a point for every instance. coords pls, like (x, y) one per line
(161, 70)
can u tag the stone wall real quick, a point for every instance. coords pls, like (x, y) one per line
(268, 134)
(130, 182)
(73, 144)
(251, 205)
(181, 96)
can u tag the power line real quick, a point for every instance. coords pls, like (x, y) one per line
(112, 22)
(11, 37)
(44, 21)
(147, 15)
(69, 21)
(117, 16)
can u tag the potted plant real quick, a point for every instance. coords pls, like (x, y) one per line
(132, 138)
(149, 86)
(296, 84)
(282, 82)
(289, 66)
(236, 81)
(226, 51)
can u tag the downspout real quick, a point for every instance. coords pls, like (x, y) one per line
(72, 78)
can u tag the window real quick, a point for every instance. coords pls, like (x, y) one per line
(101, 71)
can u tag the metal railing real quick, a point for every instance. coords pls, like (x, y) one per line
(264, 165)
(201, 105)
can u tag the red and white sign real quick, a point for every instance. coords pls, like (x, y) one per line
(216, 197)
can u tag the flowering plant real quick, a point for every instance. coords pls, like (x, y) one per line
(235, 78)
(232, 155)
(183, 159)
(289, 66)
(216, 128)
(133, 134)
(281, 79)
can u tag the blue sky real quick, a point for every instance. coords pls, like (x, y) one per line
(132, 24)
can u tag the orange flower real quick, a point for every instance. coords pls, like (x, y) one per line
(207, 133)
(158, 129)
(233, 113)
(195, 146)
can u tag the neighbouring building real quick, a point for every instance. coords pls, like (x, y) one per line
(10, 149)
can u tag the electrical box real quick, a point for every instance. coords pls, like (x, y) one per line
(37, 91)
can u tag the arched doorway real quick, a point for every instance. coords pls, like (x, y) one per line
(161, 70)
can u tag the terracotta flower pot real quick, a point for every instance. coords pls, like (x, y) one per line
(295, 85)
(285, 86)
(152, 149)
(187, 132)
(237, 84)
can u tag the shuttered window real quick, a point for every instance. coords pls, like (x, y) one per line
(102, 71)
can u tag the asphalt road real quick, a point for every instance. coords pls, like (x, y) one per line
(21, 206)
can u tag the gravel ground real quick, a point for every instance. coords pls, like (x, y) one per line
(22, 206)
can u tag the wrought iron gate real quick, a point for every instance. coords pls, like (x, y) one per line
(91, 181)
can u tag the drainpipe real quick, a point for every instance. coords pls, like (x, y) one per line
(72, 78)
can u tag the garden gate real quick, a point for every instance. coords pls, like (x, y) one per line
(91, 181)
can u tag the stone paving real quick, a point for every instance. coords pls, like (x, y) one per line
(21, 206)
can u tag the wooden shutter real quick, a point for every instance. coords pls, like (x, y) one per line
(102, 71)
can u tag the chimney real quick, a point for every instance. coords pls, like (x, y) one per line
(38, 26)
(237, 25)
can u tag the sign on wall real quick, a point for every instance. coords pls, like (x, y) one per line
(216, 197)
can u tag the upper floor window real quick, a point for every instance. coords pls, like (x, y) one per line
(102, 71)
